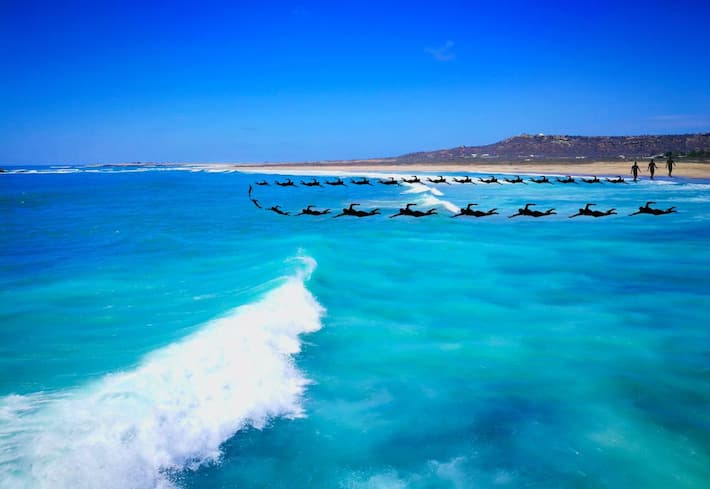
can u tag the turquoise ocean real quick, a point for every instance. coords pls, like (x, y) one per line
(157, 330)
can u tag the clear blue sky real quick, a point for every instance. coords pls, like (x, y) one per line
(239, 81)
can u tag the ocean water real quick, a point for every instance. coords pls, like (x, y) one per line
(158, 330)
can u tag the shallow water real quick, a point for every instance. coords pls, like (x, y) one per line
(157, 330)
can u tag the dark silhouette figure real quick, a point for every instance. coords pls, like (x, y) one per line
(542, 179)
(586, 211)
(591, 180)
(526, 211)
(391, 181)
(647, 209)
(669, 164)
(287, 183)
(256, 203)
(313, 183)
(466, 179)
(635, 170)
(362, 181)
(250, 191)
(467, 211)
(277, 210)
(338, 181)
(569, 179)
(312, 212)
(350, 211)
(414, 179)
(262, 183)
(618, 179)
(439, 179)
(407, 211)
(492, 179)
(652, 168)
(517, 179)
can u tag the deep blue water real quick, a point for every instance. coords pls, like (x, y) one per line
(158, 330)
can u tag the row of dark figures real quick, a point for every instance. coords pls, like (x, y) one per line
(652, 168)
(468, 211)
(439, 179)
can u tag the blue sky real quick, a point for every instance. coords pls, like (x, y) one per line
(84, 82)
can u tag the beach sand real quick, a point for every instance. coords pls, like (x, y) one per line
(606, 168)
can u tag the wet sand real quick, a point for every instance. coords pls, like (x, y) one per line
(605, 168)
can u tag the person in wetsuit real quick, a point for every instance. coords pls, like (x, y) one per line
(407, 211)
(670, 164)
(277, 209)
(308, 210)
(652, 168)
(351, 211)
(526, 211)
(647, 209)
(635, 170)
(467, 211)
(592, 213)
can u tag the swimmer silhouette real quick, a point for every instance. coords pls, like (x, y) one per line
(256, 203)
(517, 179)
(569, 179)
(542, 179)
(391, 181)
(467, 211)
(492, 179)
(618, 179)
(349, 211)
(362, 181)
(287, 183)
(312, 183)
(635, 170)
(526, 211)
(277, 210)
(338, 181)
(414, 179)
(250, 190)
(262, 183)
(591, 180)
(589, 212)
(466, 179)
(646, 209)
(439, 179)
(406, 211)
(652, 168)
(312, 212)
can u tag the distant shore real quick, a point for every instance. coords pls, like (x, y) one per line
(684, 169)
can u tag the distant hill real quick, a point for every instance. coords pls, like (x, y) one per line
(540, 147)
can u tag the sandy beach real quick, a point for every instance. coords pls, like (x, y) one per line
(607, 168)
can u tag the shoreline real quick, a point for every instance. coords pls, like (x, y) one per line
(695, 170)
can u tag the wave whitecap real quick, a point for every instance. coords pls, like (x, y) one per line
(430, 200)
(174, 410)
(418, 188)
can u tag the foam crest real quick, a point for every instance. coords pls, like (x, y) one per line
(419, 188)
(430, 200)
(174, 410)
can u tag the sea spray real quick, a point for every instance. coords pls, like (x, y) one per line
(174, 410)
(418, 188)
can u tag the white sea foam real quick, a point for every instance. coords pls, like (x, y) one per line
(171, 412)
(430, 200)
(419, 188)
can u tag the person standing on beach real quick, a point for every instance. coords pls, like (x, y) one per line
(635, 170)
(652, 168)
(669, 165)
